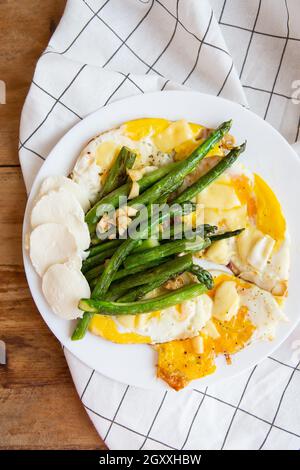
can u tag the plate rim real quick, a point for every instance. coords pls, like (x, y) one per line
(154, 95)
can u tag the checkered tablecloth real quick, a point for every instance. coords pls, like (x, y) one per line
(244, 50)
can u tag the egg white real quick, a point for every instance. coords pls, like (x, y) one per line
(90, 171)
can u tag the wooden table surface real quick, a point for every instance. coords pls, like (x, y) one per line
(39, 406)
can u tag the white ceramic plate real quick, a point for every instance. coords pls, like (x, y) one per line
(267, 154)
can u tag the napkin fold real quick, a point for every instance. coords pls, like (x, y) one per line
(244, 50)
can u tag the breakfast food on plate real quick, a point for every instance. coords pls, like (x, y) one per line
(204, 276)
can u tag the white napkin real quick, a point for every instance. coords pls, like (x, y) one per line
(244, 50)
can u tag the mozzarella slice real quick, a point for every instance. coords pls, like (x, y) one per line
(79, 230)
(63, 287)
(54, 206)
(54, 183)
(51, 244)
(226, 301)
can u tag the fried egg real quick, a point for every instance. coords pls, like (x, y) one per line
(179, 322)
(245, 305)
(260, 254)
(156, 142)
(242, 313)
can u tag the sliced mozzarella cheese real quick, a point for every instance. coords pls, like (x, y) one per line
(63, 287)
(54, 183)
(174, 135)
(54, 206)
(51, 244)
(226, 301)
(219, 196)
(79, 229)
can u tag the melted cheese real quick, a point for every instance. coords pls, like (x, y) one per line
(233, 219)
(219, 196)
(226, 301)
(141, 128)
(219, 252)
(106, 154)
(174, 135)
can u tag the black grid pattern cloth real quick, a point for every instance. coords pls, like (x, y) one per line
(244, 50)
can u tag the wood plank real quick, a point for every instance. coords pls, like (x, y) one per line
(39, 406)
(25, 29)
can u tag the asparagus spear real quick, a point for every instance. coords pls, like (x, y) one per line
(95, 272)
(203, 230)
(153, 194)
(163, 273)
(112, 199)
(221, 236)
(144, 245)
(90, 263)
(171, 248)
(92, 275)
(112, 267)
(105, 307)
(204, 277)
(117, 174)
(95, 250)
(140, 292)
(211, 175)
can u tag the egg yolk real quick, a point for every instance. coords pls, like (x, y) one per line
(234, 334)
(102, 325)
(141, 128)
(244, 190)
(178, 364)
(269, 218)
